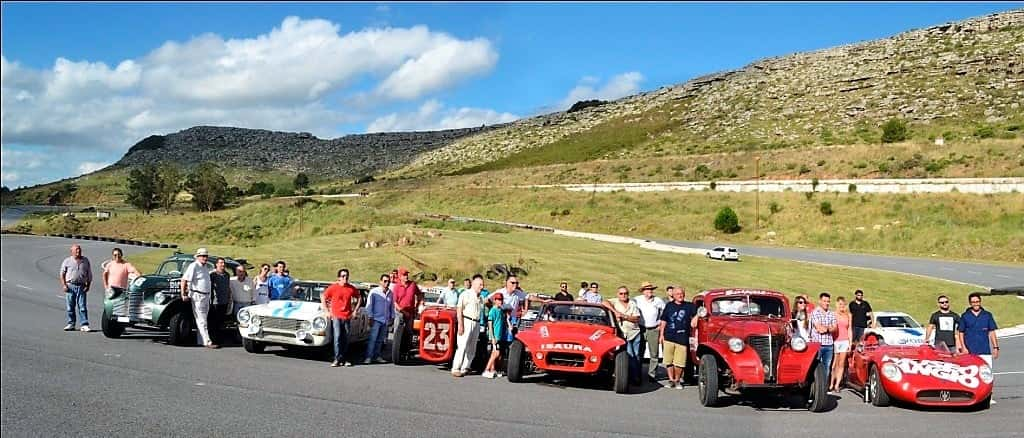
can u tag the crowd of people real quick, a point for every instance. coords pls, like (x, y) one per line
(647, 321)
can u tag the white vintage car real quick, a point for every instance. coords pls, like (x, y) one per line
(299, 321)
(896, 328)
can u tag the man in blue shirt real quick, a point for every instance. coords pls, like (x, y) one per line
(380, 307)
(978, 331)
(280, 284)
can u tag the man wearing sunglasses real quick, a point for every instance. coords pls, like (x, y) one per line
(337, 300)
(943, 323)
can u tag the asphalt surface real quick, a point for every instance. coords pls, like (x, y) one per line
(989, 276)
(57, 383)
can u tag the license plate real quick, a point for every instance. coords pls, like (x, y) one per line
(123, 319)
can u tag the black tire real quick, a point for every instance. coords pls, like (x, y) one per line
(515, 362)
(621, 372)
(817, 400)
(723, 258)
(985, 404)
(180, 329)
(253, 346)
(707, 381)
(874, 392)
(111, 328)
(398, 344)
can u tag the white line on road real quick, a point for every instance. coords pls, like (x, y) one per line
(22, 286)
(1002, 276)
(1008, 372)
(973, 272)
(4, 280)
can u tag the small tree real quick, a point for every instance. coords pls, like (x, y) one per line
(726, 221)
(826, 208)
(852, 188)
(168, 185)
(142, 188)
(774, 207)
(301, 181)
(208, 187)
(894, 130)
(814, 184)
(261, 188)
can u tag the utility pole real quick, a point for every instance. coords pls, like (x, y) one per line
(757, 194)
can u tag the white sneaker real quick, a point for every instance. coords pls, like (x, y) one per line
(487, 375)
(366, 361)
(69, 327)
(85, 328)
(348, 364)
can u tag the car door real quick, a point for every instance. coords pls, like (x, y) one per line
(359, 324)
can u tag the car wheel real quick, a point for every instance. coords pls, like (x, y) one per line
(515, 362)
(111, 328)
(398, 343)
(874, 390)
(253, 346)
(817, 397)
(621, 372)
(986, 403)
(180, 329)
(722, 258)
(707, 380)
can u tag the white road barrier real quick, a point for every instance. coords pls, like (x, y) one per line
(929, 185)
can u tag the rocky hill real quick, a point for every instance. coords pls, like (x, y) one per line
(257, 149)
(950, 81)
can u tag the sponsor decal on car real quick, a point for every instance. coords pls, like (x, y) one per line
(544, 331)
(746, 292)
(597, 335)
(964, 375)
(573, 347)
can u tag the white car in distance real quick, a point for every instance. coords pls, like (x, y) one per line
(723, 253)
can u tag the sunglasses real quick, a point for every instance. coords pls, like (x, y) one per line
(801, 302)
(513, 282)
(623, 293)
(975, 302)
(943, 302)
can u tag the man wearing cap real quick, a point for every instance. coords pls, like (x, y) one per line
(407, 299)
(75, 280)
(196, 287)
(650, 309)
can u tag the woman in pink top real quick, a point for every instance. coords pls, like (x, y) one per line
(842, 344)
(116, 271)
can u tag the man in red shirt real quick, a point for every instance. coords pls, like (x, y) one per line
(338, 298)
(407, 300)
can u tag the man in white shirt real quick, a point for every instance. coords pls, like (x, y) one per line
(242, 288)
(583, 289)
(515, 303)
(468, 312)
(650, 309)
(196, 287)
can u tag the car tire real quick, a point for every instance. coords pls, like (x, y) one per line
(180, 329)
(111, 328)
(722, 258)
(707, 381)
(621, 372)
(397, 344)
(985, 404)
(515, 361)
(253, 346)
(818, 392)
(874, 391)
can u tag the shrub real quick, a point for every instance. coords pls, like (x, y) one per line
(808, 195)
(804, 169)
(726, 221)
(894, 130)
(566, 212)
(984, 132)
(852, 188)
(283, 191)
(774, 207)
(713, 185)
(261, 188)
(826, 208)
(814, 184)
(301, 181)
(821, 163)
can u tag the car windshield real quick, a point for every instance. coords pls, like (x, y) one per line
(307, 291)
(747, 305)
(170, 268)
(732, 249)
(897, 321)
(431, 295)
(578, 313)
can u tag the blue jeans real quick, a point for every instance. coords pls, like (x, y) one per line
(378, 333)
(75, 297)
(634, 350)
(340, 327)
(825, 355)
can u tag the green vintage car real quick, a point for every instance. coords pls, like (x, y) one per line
(153, 302)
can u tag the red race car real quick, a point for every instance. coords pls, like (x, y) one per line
(571, 337)
(922, 375)
(433, 335)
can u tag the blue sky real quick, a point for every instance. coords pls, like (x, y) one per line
(84, 81)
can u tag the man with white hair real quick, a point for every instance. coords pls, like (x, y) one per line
(196, 287)
(75, 280)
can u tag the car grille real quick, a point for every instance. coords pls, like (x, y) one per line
(133, 305)
(767, 349)
(938, 396)
(567, 360)
(281, 324)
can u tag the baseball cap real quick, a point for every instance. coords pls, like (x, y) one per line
(402, 270)
(202, 252)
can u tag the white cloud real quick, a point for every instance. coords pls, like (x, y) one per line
(279, 80)
(91, 166)
(618, 86)
(433, 115)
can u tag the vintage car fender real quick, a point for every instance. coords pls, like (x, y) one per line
(795, 366)
(437, 331)
(745, 366)
(936, 381)
(595, 343)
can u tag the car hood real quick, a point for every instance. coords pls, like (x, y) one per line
(927, 368)
(744, 326)
(304, 310)
(570, 336)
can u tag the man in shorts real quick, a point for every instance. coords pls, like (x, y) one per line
(677, 319)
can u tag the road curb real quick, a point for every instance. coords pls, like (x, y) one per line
(1010, 331)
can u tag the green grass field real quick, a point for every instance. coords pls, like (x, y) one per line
(550, 259)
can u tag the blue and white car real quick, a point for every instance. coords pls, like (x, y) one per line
(896, 328)
(299, 321)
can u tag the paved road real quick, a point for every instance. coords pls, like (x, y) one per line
(57, 383)
(989, 276)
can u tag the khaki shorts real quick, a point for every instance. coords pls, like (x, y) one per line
(674, 354)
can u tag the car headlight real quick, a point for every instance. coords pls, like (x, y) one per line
(985, 373)
(256, 321)
(702, 312)
(244, 316)
(892, 372)
(319, 323)
(305, 325)
(798, 344)
(735, 345)
(161, 298)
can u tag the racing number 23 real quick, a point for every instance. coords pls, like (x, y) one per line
(433, 341)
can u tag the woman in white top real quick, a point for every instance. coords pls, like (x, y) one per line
(261, 287)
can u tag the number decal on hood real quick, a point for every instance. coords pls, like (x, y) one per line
(966, 376)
